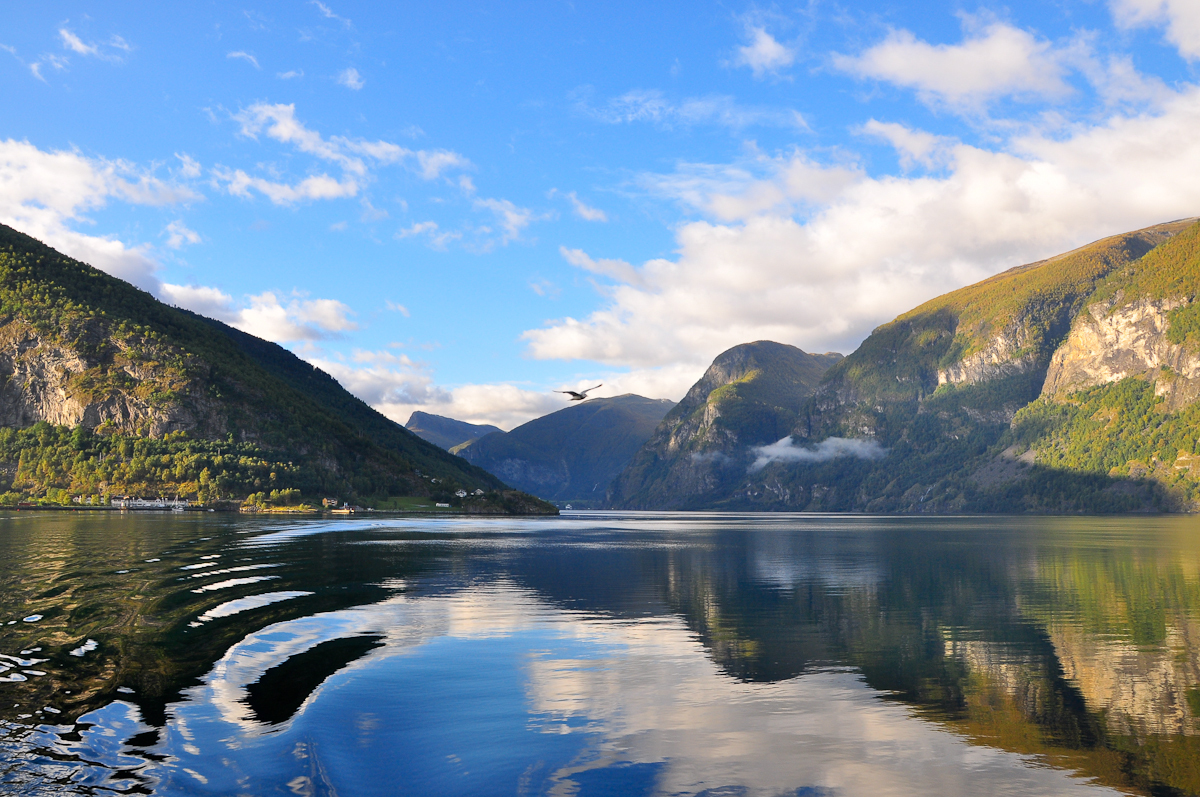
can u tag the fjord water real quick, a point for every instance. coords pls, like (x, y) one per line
(631, 654)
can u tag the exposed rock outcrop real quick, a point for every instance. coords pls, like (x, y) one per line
(41, 380)
(1008, 354)
(1111, 341)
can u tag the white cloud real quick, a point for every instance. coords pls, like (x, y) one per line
(350, 79)
(396, 307)
(327, 12)
(43, 193)
(818, 260)
(75, 44)
(244, 56)
(206, 301)
(434, 162)
(512, 218)
(763, 54)
(1181, 18)
(290, 320)
(279, 122)
(913, 146)
(651, 105)
(178, 234)
(188, 166)
(997, 60)
(297, 320)
(438, 238)
(291, 73)
(585, 211)
(786, 450)
(320, 186)
(618, 270)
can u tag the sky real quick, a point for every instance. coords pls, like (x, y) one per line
(461, 207)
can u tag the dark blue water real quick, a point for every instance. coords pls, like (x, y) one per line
(599, 655)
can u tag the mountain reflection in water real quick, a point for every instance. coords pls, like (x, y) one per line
(599, 654)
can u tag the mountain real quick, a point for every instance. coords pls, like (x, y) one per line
(572, 454)
(105, 390)
(749, 396)
(446, 432)
(1065, 385)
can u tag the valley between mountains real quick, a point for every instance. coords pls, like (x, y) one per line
(1067, 385)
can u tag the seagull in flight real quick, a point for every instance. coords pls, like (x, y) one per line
(581, 395)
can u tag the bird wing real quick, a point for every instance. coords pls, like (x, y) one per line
(593, 388)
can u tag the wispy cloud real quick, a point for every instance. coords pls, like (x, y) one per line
(328, 13)
(290, 74)
(652, 106)
(244, 56)
(279, 122)
(350, 79)
(75, 44)
(584, 210)
(178, 234)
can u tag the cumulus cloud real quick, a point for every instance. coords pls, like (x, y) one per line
(617, 270)
(44, 193)
(350, 79)
(294, 319)
(913, 146)
(786, 450)
(818, 255)
(652, 106)
(997, 61)
(1180, 17)
(763, 54)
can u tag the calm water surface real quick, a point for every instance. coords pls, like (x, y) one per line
(595, 654)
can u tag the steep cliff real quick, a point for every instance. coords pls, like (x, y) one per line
(1066, 385)
(103, 389)
(749, 396)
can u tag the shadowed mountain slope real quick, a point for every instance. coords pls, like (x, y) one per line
(749, 396)
(572, 454)
(446, 432)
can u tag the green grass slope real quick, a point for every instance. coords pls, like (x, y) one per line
(177, 404)
(573, 454)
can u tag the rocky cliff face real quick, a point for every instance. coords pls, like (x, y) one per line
(749, 396)
(1110, 342)
(1007, 354)
(41, 380)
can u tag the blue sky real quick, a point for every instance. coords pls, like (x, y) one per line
(459, 207)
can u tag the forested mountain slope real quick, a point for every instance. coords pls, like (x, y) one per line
(104, 390)
(1066, 385)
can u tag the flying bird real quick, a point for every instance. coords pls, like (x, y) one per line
(581, 395)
